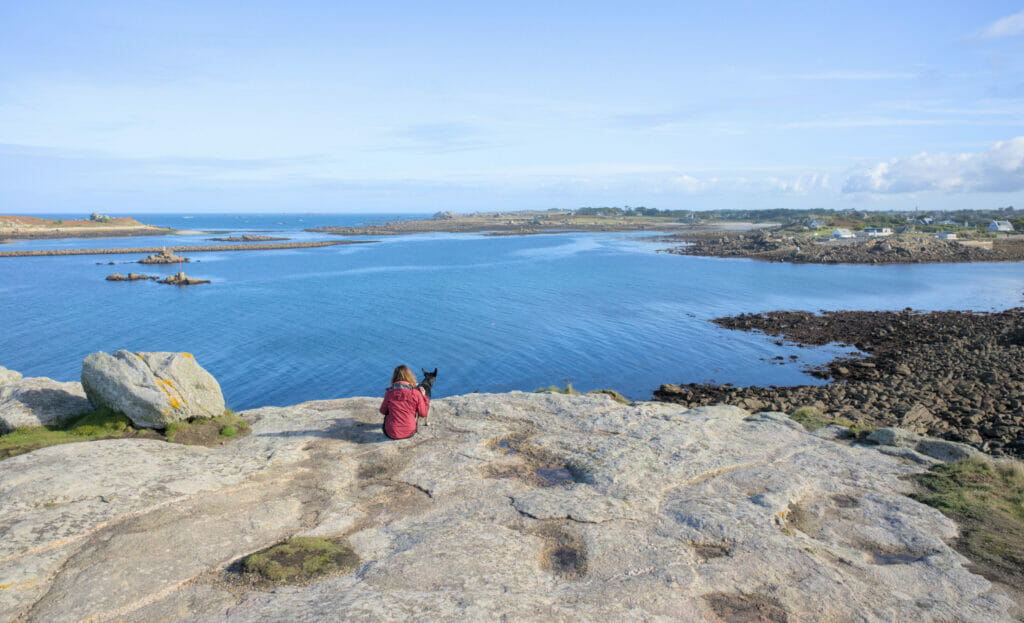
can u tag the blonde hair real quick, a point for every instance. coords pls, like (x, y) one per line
(403, 373)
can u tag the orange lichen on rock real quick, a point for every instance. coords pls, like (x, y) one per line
(165, 386)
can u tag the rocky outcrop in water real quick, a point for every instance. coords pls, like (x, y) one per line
(130, 277)
(152, 389)
(38, 401)
(181, 279)
(538, 506)
(163, 257)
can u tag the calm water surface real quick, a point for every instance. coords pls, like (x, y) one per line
(492, 313)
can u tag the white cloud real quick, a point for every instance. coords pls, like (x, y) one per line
(1009, 26)
(998, 169)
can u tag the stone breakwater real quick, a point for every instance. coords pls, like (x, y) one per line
(955, 375)
(538, 506)
(183, 248)
(803, 249)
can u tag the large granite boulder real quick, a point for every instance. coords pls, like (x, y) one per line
(534, 507)
(38, 401)
(152, 389)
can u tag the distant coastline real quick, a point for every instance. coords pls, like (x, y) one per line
(98, 226)
(527, 222)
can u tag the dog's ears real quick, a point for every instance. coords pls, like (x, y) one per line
(434, 372)
(425, 373)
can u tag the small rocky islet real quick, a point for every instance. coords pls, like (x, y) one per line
(163, 257)
(666, 512)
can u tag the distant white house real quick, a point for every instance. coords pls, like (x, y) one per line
(949, 222)
(1000, 226)
(946, 235)
(842, 233)
(875, 232)
(927, 220)
(816, 224)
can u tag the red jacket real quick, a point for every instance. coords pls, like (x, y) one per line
(402, 403)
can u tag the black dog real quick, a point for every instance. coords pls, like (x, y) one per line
(428, 381)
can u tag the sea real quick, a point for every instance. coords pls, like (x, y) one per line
(491, 313)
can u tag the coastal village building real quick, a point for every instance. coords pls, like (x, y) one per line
(875, 232)
(1000, 226)
(946, 235)
(842, 233)
(816, 224)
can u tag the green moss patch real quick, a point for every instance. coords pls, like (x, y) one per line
(207, 431)
(107, 424)
(301, 559)
(809, 418)
(98, 424)
(614, 395)
(987, 501)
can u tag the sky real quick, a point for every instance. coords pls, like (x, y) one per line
(139, 107)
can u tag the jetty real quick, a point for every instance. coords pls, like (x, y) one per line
(202, 248)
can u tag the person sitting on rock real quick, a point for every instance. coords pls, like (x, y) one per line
(403, 403)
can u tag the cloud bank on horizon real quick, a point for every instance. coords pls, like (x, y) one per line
(236, 106)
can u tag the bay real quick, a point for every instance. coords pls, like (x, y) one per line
(491, 313)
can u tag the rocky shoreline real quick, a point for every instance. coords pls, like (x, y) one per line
(183, 249)
(954, 375)
(772, 246)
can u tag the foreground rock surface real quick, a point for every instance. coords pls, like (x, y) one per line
(531, 506)
(152, 389)
(38, 401)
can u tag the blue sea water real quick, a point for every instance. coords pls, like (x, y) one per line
(491, 313)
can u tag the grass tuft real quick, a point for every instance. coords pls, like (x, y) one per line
(99, 424)
(205, 431)
(986, 499)
(810, 419)
(614, 395)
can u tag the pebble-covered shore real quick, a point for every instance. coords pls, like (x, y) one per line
(956, 375)
(805, 249)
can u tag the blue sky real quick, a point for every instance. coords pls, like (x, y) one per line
(134, 107)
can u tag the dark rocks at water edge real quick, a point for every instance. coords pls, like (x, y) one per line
(247, 238)
(181, 279)
(163, 257)
(954, 375)
(130, 277)
(805, 249)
